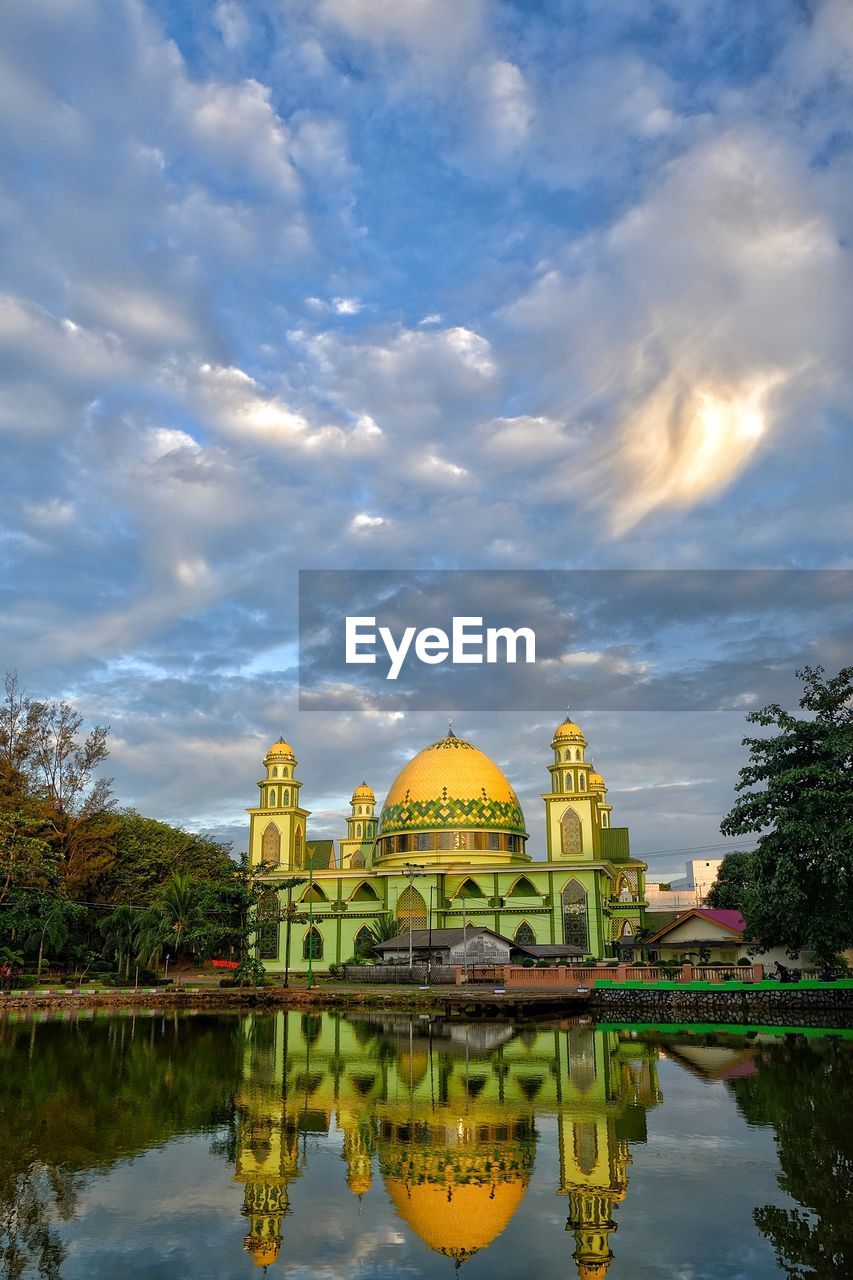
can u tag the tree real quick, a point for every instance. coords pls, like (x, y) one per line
(799, 1090)
(147, 852)
(175, 922)
(797, 796)
(383, 929)
(119, 930)
(728, 892)
(41, 919)
(47, 764)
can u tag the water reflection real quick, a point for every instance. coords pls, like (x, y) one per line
(447, 1113)
(410, 1132)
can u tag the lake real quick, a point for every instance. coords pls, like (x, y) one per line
(378, 1145)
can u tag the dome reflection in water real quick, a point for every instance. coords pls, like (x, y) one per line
(446, 1113)
(376, 1143)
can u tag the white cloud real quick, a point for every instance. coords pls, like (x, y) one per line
(231, 22)
(434, 31)
(362, 522)
(688, 318)
(236, 129)
(347, 306)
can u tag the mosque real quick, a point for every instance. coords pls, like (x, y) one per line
(447, 1117)
(449, 844)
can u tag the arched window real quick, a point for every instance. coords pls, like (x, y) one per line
(524, 935)
(575, 923)
(297, 847)
(285, 796)
(469, 889)
(272, 798)
(604, 819)
(578, 755)
(523, 889)
(586, 1146)
(275, 771)
(271, 843)
(314, 894)
(364, 893)
(568, 784)
(411, 906)
(364, 939)
(312, 945)
(581, 781)
(268, 910)
(571, 832)
(357, 859)
(358, 830)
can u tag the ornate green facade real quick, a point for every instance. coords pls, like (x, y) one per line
(449, 845)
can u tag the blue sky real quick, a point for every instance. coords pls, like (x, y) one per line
(442, 283)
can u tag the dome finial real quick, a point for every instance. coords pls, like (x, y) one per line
(450, 732)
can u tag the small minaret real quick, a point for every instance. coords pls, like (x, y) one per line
(277, 822)
(357, 849)
(571, 806)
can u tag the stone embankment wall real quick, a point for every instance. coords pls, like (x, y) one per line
(784, 1006)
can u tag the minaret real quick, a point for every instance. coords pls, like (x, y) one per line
(267, 1142)
(357, 849)
(359, 1149)
(277, 823)
(572, 809)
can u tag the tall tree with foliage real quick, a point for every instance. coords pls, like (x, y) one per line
(49, 766)
(175, 923)
(797, 796)
(729, 890)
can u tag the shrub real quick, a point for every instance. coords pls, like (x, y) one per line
(745, 960)
(528, 962)
(542, 964)
(337, 971)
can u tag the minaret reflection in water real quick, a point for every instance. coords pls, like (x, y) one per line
(446, 1114)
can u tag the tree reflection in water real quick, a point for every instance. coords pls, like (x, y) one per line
(444, 1119)
(804, 1092)
(78, 1095)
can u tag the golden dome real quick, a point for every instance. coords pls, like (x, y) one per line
(596, 782)
(459, 1223)
(263, 1252)
(568, 731)
(593, 1270)
(363, 792)
(451, 784)
(280, 750)
(360, 1182)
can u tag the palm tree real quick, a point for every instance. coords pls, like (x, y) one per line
(175, 921)
(120, 929)
(11, 964)
(383, 929)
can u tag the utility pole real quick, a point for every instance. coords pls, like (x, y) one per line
(429, 946)
(311, 925)
(465, 939)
